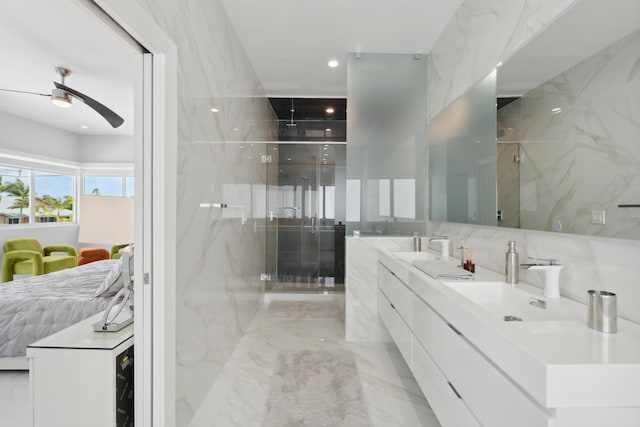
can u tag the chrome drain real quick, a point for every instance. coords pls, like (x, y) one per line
(512, 319)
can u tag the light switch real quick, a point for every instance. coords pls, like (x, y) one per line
(597, 217)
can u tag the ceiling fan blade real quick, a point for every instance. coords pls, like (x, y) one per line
(109, 115)
(24, 91)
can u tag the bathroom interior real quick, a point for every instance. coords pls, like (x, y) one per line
(519, 123)
(427, 155)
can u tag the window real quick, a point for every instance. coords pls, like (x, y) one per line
(103, 185)
(29, 196)
(54, 197)
(43, 191)
(15, 186)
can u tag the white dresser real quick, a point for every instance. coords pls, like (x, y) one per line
(79, 377)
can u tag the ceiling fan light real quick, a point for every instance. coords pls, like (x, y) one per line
(60, 98)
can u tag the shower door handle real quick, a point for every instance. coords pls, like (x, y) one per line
(313, 225)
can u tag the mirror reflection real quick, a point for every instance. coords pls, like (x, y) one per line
(568, 128)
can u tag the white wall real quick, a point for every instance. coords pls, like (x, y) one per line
(220, 256)
(30, 137)
(482, 33)
(106, 149)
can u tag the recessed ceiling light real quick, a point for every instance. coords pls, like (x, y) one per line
(325, 148)
(327, 130)
(329, 110)
(288, 158)
(333, 63)
(84, 126)
(214, 110)
(236, 129)
(556, 110)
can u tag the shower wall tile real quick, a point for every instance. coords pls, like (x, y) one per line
(221, 252)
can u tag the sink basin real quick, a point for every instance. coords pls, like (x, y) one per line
(416, 256)
(503, 300)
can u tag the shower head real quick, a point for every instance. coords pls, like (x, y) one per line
(292, 124)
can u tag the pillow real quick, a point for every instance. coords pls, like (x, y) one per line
(111, 279)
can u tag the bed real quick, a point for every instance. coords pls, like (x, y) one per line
(35, 307)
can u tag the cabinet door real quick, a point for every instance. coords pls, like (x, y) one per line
(398, 330)
(489, 394)
(441, 394)
(397, 293)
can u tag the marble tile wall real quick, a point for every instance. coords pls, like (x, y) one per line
(221, 253)
(482, 33)
(584, 157)
(361, 286)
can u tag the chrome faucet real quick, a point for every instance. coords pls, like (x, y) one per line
(551, 275)
(444, 244)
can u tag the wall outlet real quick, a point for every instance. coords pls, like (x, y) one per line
(597, 217)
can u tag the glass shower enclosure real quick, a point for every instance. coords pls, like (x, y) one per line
(306, 238)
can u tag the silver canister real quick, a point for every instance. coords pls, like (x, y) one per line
(602, 311)
(417, 244)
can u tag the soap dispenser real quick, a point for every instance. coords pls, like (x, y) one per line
(512, 265)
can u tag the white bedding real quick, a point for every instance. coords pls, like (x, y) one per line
(36, 307)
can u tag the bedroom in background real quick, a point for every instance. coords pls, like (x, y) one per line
(51, 157)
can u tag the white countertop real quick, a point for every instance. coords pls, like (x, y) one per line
(561, 363)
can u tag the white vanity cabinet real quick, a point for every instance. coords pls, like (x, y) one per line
(491, 396)
(463, 387)
(395, 306)
(396, 309)
(475, 369)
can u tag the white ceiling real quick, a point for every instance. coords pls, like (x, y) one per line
(290, 42)
(38, 35)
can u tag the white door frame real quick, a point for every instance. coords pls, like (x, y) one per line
(156, 180)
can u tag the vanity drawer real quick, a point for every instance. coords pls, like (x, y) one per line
(489, 394)
(398, 330)
(397, 292)
(447, 405)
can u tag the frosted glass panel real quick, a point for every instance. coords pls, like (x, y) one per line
(462, 158)
(386, 144)
(353, 200)
(404, 201)
(385, 197)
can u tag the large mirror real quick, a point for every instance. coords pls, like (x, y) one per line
(566, 135)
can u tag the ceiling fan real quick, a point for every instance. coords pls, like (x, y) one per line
(61, 96)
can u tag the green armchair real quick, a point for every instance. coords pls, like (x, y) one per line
(27, 256)
(115, 250)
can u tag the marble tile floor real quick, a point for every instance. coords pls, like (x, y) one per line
(239, 395)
